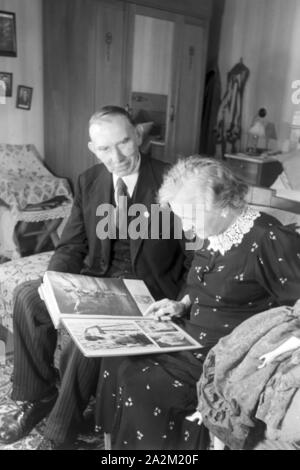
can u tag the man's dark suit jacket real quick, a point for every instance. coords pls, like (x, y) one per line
(162, 264)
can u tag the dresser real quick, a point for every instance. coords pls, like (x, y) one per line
(257, 171)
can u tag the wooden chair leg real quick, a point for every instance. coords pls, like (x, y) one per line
(22, 226)
(50, 229)
(6, 345)
(2, 353)
(55, 238)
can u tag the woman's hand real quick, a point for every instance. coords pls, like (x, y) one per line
(167, 309)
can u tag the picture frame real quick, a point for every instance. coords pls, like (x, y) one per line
(7, 79)
(8, 36)
(24, 97)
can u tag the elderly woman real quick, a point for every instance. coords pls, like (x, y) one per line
(248, 263)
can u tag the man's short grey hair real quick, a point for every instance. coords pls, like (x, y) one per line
(109, 111)
(215, 181)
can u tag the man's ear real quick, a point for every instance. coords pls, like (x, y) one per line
(91, 147)
(139, 133)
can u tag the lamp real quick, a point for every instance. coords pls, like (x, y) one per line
(260, 129)
(257, 131)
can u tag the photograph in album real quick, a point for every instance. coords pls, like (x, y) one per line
(68, 295)
(100, 337)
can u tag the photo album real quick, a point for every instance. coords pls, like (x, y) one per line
(104, 316)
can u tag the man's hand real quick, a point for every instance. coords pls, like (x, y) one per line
(167, 309)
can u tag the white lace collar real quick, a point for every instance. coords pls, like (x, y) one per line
(235, 233)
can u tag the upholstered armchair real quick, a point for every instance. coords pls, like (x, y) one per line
(29, 193)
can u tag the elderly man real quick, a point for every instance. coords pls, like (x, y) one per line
(161, 263)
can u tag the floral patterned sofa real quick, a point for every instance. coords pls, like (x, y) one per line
(12, 274)
(29, 193)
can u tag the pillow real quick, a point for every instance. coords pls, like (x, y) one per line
(21, 160)
(291, 168)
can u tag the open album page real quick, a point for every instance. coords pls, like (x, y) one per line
(100, 337)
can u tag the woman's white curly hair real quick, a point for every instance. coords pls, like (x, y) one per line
(210, 179)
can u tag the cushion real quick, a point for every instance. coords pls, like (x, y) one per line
(25, 179)
(14, 273)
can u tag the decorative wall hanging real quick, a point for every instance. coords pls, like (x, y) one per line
(229, 119)
(8, 37)
(6, 83)
(24, 96)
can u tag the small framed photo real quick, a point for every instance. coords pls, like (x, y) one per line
(8, 37)
(24, 97)
(6, 83)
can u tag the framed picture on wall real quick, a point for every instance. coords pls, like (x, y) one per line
(6, 83)
(8, 37)
(24, 97)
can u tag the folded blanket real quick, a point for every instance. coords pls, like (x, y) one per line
(234, 393)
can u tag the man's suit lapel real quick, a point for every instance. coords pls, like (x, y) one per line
(145, 194)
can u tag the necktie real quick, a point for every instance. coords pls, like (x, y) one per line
(121, 196)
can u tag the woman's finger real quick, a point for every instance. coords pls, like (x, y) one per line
(164, 310)
(156, 306)
(166, 317)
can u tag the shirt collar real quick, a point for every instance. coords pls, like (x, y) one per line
(129, 180)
